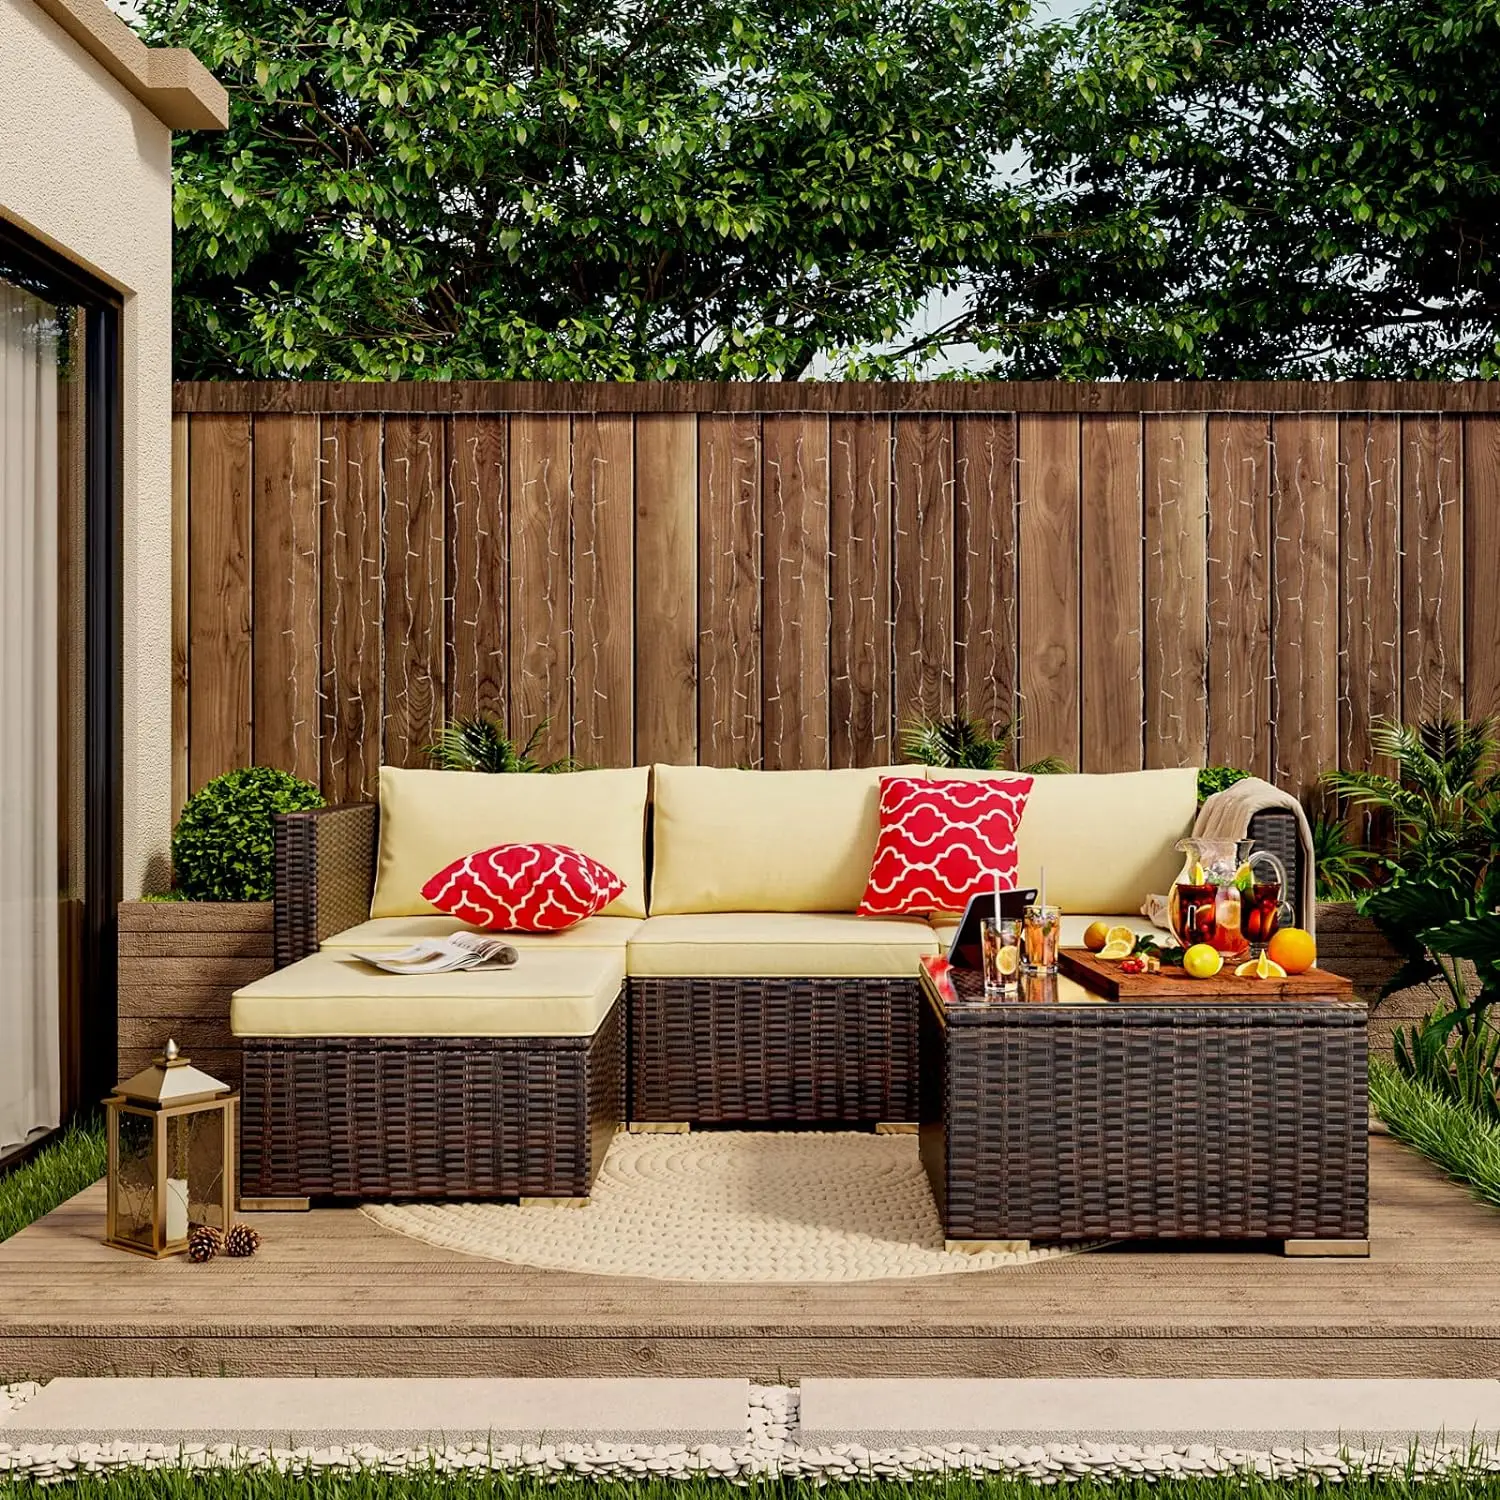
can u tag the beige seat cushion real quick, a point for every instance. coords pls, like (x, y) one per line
(1073, 927)
(401, 932)
(764, 945)
(772, 841)
(428, 819)
(1106, 840)
(333, 994)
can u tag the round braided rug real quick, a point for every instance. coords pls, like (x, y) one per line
(726, 1206)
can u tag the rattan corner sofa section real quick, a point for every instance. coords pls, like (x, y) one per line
(752, 994)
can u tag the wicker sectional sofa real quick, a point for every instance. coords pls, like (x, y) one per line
(731, 983)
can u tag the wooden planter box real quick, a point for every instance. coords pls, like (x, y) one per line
(1352, 945)
(180, 961)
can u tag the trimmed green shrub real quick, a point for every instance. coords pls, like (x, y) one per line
(1213, 779)
(221, 848)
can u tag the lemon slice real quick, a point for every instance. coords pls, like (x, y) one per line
(1197, 873)
(1118, 948)
(1260, 968)
(1008, 960)
(1120, 935)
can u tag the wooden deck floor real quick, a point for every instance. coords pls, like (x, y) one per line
(330, 1293)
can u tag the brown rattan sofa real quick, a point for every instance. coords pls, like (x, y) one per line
(753, 994)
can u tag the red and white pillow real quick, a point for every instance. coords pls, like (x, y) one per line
(942, 842)
(523, 888)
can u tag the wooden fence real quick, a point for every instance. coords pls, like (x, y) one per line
(780, 575)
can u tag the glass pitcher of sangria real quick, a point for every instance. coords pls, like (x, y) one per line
(1226, 896)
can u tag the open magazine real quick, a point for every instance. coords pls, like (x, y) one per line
(464, 950)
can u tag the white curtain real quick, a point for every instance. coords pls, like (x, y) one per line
(29, 939)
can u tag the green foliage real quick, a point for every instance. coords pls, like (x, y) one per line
(221, 847)
(1465, 1144)
(1261, 188)
(73, 1161)
(481, 743)
(584, 190)
(961, 743)
(1463, 1481)
(1213, 779)
(1342, 863)
(1443, 804)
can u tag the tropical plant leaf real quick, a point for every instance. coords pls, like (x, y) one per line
(481, 743)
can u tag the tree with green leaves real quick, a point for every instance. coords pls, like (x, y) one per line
(585, 189)
(1260, 188)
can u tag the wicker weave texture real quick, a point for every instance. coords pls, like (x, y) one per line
(325, 875)
(1120, 1122)
(404, 1117)
(773, 1051)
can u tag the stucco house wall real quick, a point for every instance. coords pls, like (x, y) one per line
(86, 118)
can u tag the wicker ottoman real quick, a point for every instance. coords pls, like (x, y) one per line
(358, 1084)
(1060, 1121)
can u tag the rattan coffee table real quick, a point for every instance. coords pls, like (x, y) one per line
(1063, 1115)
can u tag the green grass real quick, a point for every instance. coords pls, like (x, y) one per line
(176, 1484)
(51, 1177)
(1455, 1138)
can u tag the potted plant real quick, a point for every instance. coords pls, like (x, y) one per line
(1435, 891)
(183, 954)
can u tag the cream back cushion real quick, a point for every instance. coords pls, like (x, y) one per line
(764, 840)
(430, 818)
(1105, 839)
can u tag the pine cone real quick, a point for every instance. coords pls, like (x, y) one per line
(204, 1243)
(241, 1241)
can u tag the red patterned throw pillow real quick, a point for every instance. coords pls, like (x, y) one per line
(942, 842)
(523, 888)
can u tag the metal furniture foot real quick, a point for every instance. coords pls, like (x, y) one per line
(275, 1205)
(984, 1247)
(896, 1127)
(660, 1127)
(555, 1202)
(1326, 1247)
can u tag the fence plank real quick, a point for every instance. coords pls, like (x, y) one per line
(1175, 473)
(181, 618)
(1431, 567)
(795, 669)
(666, 589)
(1305, 562)
(352, 607)
(603, 590)
(1369, 582)
(1110, 480)
(219, 651)
(478, 625)
(859, 537)
(414, 587)
(986, 660)
(1481, 548)
(1239, 592)
(540, 565)
(922, 548)
(729, 589)
(288, 554)
(1047, 531)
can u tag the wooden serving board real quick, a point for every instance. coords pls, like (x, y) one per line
(1104, 977)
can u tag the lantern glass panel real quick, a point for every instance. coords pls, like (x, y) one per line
(135, 1180)
(195, 1156)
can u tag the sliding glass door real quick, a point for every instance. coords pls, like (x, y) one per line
(51, 475)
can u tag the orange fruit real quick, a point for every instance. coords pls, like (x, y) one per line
(1293, 949)
(1095, 936)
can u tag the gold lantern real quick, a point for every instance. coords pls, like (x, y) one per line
(171, 1156)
